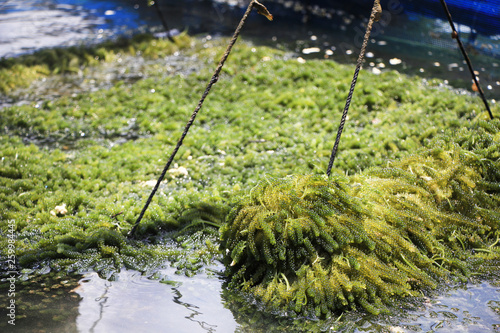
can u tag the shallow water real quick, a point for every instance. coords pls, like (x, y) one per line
(28, 25)
(472, 308)
(185, 305)
(195, 305)
(135, 303)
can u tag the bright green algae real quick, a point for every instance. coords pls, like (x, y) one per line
(92, 233)
(98, 153)
(310, 245)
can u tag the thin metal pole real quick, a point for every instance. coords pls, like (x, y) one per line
(163, 21)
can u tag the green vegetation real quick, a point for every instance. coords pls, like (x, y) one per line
(310, 245)
(19, 72)
(75, 172)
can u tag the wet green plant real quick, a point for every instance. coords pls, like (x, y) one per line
(75, 58)
(311, 245)
(98, 152)
(99, 208)
(261, 9)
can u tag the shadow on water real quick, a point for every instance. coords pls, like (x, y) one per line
(45, 303)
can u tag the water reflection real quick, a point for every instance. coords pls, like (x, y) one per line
(131, 302)
(134, 303)
(472, 308)
(44, 303)
(28, 25)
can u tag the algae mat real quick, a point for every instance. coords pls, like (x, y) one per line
(76, 170)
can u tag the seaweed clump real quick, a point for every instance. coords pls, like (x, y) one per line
(311, 245)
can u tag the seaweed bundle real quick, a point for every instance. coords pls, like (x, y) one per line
(311, 245)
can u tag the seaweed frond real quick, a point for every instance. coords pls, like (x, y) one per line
(311, 245)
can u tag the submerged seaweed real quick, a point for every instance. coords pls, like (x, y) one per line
(310, 245)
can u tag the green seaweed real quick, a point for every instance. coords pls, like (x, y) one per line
(19, 72)
(98, 153)
(311, 245)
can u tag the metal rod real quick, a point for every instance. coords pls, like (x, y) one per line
(163, 21)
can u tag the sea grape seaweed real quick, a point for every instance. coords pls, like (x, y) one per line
(310, 245)
(99, 194)
(97, 152)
